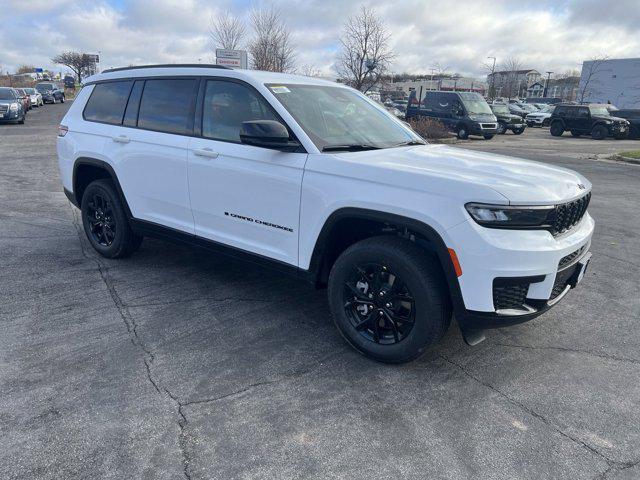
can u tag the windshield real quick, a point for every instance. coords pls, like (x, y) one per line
(500, 109)
(44, 87)
(475, 104)
(6, 94)
(337, 116)
(30, 91)
(599, 111)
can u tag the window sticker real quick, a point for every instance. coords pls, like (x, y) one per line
(279, 89)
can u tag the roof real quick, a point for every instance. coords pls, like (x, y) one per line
(516, 71)
(250, 76)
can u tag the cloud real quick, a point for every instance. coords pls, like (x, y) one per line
(542, 34)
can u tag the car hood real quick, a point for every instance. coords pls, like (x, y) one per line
(468, 174)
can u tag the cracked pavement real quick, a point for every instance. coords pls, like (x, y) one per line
(176, 363)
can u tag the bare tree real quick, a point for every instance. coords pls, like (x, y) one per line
(78, 62)
(365, 52)
(25, 69)
(511, 84)
(309, 71)
(588, 79)
(271, 46)
(227, 31)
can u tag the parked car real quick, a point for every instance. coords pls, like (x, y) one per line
(541, 118)
(11, 106)
(69, 81)
(395, 111)
(342, 194)
(401, 105)
(516, 109)
(35, 96)
(24, 98)
(465, 113)
(547, 100)
(593, 120)
(633, 117)
(51, 92)
(506, 120)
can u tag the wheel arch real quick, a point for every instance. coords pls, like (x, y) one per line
(88, 169)
(349, 225)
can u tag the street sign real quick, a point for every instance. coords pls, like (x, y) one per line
(94, 58)
(38, 70)
(231, 58)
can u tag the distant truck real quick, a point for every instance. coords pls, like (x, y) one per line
(69, 81)
(464, 113)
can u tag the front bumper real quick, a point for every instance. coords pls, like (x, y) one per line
(483, 128)
(10, 115)
(532, 259)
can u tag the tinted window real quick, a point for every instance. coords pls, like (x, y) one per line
(582, 113)
(6, 94)
(227, 105)
(107, 102)
(131, 113)
(167, 105)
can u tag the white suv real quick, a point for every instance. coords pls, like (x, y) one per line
(316, 179)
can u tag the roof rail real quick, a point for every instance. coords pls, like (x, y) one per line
(168, 65)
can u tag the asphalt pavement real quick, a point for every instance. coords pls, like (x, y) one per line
(177, 363)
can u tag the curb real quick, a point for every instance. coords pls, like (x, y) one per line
(620, 158)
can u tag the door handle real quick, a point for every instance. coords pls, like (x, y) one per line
(205, 152)
(121, 139)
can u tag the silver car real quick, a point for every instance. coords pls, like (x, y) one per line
(36, 97)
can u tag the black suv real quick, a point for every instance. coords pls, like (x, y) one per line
(632, 115)
(594, 120)
(507, 120)
(51, 92)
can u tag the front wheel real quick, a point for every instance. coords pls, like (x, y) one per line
(599, 132)
(575, 134)
(105, 221)
(389, 299)
(556, 129)
(518, 131)
(62, 99)
(488, 137)
(462, 133)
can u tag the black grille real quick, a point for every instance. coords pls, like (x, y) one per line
(558, 287)
(510, 296)
(567, 215)
(566, 260)
(4, 108)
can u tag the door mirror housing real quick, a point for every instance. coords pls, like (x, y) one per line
(267, 134)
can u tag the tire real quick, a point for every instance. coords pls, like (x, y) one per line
(518, 131)
(418, 277)
(599, 132)
(21, 121)
(575, 134)
(462, 133)
(556, 129)
(502, 128)
(634, 132)
(62, 99)
(620, 136)
(105, 221)
(488, 137)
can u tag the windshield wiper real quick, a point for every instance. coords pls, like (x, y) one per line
(408, 144)
(349, 148)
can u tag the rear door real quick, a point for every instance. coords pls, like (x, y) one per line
(582, 120)
(244, 196)
(149, 150)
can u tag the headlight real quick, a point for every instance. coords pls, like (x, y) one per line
(508, 216)
(14, 107)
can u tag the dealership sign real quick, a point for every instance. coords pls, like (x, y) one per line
(231, 58)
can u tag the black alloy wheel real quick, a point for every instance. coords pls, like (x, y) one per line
(101, 220)
(378, 304)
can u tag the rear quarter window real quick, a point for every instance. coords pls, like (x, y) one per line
(107, 102)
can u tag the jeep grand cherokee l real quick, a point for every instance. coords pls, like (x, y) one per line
(315, 179)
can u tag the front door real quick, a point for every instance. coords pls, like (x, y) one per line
(243, 196)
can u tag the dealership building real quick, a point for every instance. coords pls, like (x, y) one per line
(615, 81)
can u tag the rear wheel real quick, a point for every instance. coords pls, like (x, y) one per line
(502, 128)
(599, 132)
(105, 221)
(389, 299)
(556, 129)
(62, 99)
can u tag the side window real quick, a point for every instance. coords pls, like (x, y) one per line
(227, 105)
(167, 105)
(131, 113)
(107, 102)
(560, 111)
(582, 113)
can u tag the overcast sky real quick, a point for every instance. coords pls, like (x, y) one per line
(545, 35)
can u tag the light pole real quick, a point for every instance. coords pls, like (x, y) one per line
(492, 92)
(546, 84)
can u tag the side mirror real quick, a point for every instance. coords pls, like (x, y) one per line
(267, 134)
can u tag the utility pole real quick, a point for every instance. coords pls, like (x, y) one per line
(546, 84)
(492, 90)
